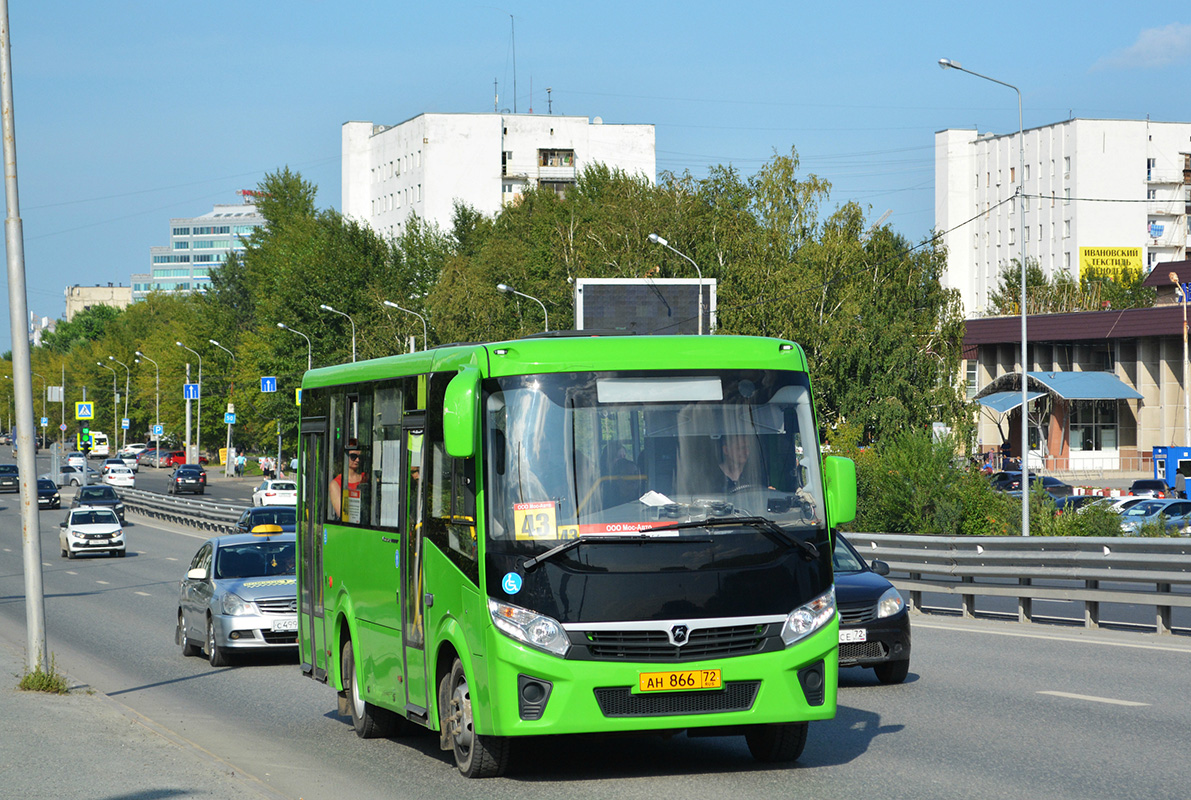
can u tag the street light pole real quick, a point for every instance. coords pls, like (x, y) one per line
(198, 434)
(946, 63)
(309, 349)
(1181, 292)
(157, 396)
(228, 454)
(326, 307)
(127, 376)
(115, 407)
(506, 289)
(391, 304)
(653, 237)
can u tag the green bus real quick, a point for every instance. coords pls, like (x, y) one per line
(571, 534)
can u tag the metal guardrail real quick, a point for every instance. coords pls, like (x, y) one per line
(1142, 571)
(215, 517)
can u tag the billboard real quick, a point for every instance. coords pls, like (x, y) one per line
(662, 306)
(1110, 261)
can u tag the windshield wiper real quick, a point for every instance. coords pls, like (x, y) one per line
(810, 550)
(615, 538)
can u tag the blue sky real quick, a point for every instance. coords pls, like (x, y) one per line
(129, 113)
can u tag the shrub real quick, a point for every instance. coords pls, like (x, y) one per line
(44, 680)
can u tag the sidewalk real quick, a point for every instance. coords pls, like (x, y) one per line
(89, 746)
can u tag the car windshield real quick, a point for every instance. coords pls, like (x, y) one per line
(1145, 508)
(843, 559)
(96, 493)
(273, 515)
(47, 485)
(255, 560)
(8, 469)
(96, 516)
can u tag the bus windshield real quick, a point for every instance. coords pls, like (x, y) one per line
(577, 454)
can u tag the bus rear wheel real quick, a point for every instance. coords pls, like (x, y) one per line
(782, 742)
(476, 755)
(369, 721)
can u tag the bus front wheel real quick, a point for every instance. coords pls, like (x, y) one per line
(782, 742)
(476, 755)
(368, 720)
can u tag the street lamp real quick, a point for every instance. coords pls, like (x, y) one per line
(326, 307)
(198, 434)
(309, 349)
(127, 376)
(115, 393)
(227, 464)
(653, 237)
(1181, 292)
(946, 63)
(506, 289)
(156, 395)
(391, 304)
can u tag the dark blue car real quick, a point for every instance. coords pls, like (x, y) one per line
(284, 516)
(874, 624)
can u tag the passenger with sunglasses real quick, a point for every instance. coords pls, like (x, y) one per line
(349, 497)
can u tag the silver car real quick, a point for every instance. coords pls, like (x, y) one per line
(239, 594)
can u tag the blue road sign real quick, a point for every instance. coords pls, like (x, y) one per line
(190, 391)
(158, 430)
(268, 384)
(83, 410)
(45, 421)
(124, 423)
(229, 418)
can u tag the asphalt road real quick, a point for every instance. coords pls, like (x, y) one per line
(990, 710)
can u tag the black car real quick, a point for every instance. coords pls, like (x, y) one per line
(1011, 482)
(9, 478)
(188, 478)
(874, 624)
(47, 494)
(284, 516)
(98, 497)
(1150, 487)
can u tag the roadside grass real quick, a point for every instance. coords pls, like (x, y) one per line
(44, 680)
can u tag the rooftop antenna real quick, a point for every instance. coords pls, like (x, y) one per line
(513, 28)
(495, 96)
(530, 94)
(549, 102)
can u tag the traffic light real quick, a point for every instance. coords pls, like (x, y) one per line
(85, 441)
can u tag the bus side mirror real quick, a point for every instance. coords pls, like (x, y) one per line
(841, 489)
(459, 413)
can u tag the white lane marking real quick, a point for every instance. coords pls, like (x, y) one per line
(105, 583)
(1172, 648)
(143, 594)
(71, 572)
(1093, 699)
(170, 558)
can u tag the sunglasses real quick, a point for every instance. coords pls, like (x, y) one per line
(353, 455)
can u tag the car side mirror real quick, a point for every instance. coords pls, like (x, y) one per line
(196, 574)
(878, 566)
(61, 524)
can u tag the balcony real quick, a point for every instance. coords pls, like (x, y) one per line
(556, 173)
(1164, 176)
(1166, 208)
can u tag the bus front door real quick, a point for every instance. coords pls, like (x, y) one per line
(313, 486)
(413, 589)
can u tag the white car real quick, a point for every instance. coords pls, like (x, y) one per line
(276, 493)
(76, 460)
(120, 476)
(129, 456)
(108, 463)
(91, 530)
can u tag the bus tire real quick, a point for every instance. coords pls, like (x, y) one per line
(780, 742)
(369, 721)
(476, 755)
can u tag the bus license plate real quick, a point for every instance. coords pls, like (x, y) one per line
(854, 636)
(680, 681)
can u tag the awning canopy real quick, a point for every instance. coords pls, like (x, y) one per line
(1004, 402)
(1085, 385)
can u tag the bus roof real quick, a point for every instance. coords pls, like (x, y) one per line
(575, 353)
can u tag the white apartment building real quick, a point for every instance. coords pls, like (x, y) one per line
(1103, 194)
(423, 165)
(197, 246)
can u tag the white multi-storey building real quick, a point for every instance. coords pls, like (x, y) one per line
(1102, 194)
(197, 246)
(425, 164)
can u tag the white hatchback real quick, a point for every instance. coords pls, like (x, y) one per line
(120, 476)
(276, 493)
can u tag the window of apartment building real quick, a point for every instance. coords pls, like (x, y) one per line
(1150, 164)
(1067, 261)
(396, 167)
(419, 192)
(1067, 196)
(1013, 236)
(973, 377)
(1066, 166)
(396, 199)
(1151, 194)
(556, 158)
(987, 179)
(1052, 169)
(418, 159)
(998, 177)
(977, 180)
(1026, 229)
(181, 245)
(1026, 175)
(1012, 174)
(506, 158)
(181, 232)
(1066, 229)
(1025, 203)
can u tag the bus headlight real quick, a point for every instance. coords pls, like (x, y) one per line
(890, 603)
(529, 627)
(810, 617)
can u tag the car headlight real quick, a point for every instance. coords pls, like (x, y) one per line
(529, 627)
(119, 506)
(236, 606)
(809, 617)
(890, 603)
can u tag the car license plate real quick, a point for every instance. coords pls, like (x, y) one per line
(98, 542)
(680, 681)
(853, 636)
(285, 624)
